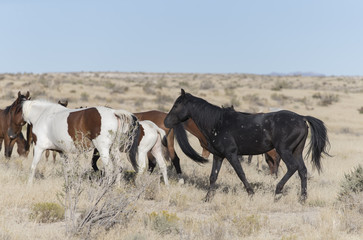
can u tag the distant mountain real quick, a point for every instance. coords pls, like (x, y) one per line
(305, 74)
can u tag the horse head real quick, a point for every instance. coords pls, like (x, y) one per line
(178, 113)
(16, 120)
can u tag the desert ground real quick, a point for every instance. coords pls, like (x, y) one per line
(178, 211)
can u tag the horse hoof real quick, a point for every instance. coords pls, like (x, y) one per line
(278, 196)
(181, 181)
(302, 199)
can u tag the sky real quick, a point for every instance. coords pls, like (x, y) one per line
(185, 36)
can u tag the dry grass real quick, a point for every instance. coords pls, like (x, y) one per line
(177, 211)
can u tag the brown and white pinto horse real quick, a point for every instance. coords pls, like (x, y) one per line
(73, 130)
(11, 126)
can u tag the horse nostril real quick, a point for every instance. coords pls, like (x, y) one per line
(11, 134)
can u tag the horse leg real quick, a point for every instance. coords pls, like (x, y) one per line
(54, 156)
(95, 157)
(152, 162)
(292, 167)
(1, 143)
(233, 160)
(37, 155)
(47, 155)
(303, 177)
(106, 160)
(142, 158)
(205, 153)
(157, 153)
(216, 167)
(249, 159)
(9, 145)
(271, 162)
(259, 164)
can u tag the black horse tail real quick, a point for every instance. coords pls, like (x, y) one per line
(29, 136)
(183, 142)
(135, 144)
(164, 139)
(319, 142)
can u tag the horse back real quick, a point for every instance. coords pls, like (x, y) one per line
(155, 116)
(84, 124)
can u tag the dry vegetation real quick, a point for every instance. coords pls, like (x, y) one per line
(177, 211)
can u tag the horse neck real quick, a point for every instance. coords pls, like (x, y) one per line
(33, 110)
(206, 116)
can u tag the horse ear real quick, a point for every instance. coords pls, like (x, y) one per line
(182, 92)
(27, 95)
(19, 94)
(66, 103)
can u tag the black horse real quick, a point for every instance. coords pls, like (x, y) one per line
(230, 133)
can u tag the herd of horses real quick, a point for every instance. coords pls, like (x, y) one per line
(148, 137)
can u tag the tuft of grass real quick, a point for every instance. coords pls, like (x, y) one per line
(47, 212)
(249, 225)
(360, 110)
(163, 222)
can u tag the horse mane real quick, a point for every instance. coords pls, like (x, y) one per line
(7, 109)
(209, 115)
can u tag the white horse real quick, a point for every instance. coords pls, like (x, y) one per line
(67, 130)
(151, 141)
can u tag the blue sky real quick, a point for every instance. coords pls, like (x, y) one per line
(203, 36)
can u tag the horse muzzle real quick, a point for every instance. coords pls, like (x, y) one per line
(12, 134)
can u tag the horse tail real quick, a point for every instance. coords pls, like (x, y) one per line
(135, 144)
(128, 135)
(29, 136)
(164, 137)
(319, 142)
(183, 142)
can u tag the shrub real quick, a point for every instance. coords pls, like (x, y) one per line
(46, 212)
(84, 96)
(351, 185)
(206, 84)
(326, 99)
(280, 85)
(149, 88)
(360, 110)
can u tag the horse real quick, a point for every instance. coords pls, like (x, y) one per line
(56, 127)
(10, 128)
(230, 133)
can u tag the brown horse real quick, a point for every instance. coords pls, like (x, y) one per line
(10, 128)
